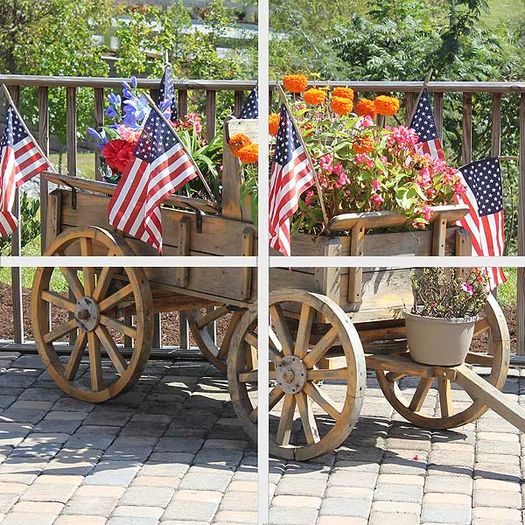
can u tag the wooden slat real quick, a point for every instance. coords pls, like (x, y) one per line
(521, 234)
(71, 130)
(99, 122)
(438, 112)
(239, 100)
(211, 114)
(495, 148)
(184, 341)
(409, 106)
(16, 277)
(43, 141)
(182, 102)
(466, 155)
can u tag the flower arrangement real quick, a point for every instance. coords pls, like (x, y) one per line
(362, 166)
(447, 294)
(128, 113)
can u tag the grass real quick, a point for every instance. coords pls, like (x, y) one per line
(503, 11)
(507, 293)
(85, 164)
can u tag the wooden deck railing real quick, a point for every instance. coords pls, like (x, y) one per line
(409, 90)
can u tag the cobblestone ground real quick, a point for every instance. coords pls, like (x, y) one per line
(171, 451)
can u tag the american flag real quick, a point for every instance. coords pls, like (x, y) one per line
(291, 176)
(167, 95)
(425, 126)
(484, 220)
(160, 166)
(20, 160)
(250, 109)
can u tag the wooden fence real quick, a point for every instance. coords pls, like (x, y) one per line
(440, 90)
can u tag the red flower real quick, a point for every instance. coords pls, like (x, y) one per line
(118, 153)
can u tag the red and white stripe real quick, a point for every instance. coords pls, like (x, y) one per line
(287, 183)
(134, 208)
(433, 147)
(18, 164)
(487, 234)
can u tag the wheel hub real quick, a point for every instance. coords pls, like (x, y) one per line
(291, 374)
(87, 314)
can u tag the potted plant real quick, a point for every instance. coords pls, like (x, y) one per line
(440, 325)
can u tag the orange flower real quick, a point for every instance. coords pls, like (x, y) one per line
(342, 106)
(238, 141)
(295, 83)
(273, 123)
(363, 145)
(387, 106)
(365, 107)
(249, 154)
(344, 93)
(314, 96)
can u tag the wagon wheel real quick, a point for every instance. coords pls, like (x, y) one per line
(300, 377)
(97, 313)
(201, 323)
(492, 330)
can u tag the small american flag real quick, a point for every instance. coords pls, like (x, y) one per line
(160, 166)
(250, 108)
(291, 176)
(425, 126)
(167, 95)
(484, 220)
(20, 160)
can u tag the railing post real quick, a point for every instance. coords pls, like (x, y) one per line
(71, 130)
(182, 102)
(438, 113)
(184, 336)
(239, 100)
(521, 233)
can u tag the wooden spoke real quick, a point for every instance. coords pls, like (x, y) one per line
(304, 330)
(76, 356)
(274, 341)
(395, 376)
(86, 247)
(421, 393)
(275, 356)
(111, 348)
(307, 417)
(57, 300)
(74, 283)
(130, 331)
(211, 316)
(251, 339)
(481, 326)
(103, 282)
(281, 329)
(445, 397)
(322, 399)
(319, 375)
(284, 430)
(251, 376)
(60, 331)
(95, 362)
(111, 301)
(320, 349)
(474, 358)
(276, 394)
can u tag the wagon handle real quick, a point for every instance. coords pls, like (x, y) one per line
(176, 135)
(282, 95)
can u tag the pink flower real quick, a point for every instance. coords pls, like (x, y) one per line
(338, 169)
(326, 163)
(427, 212)
(468, 288)
(403, 137)
(128, 134)
(376, 200)
(365, 122)
(376, 185)
(342, 180)
(308, 198)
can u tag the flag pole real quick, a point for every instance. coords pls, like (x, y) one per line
(37, 145)
(176, 135)
(425, 84)
(282, 96)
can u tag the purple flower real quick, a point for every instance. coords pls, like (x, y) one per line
(114, 99)
(127, 90)
(133, 81)
(136, 110)
(101, 137)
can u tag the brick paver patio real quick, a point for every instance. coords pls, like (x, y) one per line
(171, 451)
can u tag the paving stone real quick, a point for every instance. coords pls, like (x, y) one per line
(118, 473)
(178, 444)
(42, 507)
(153, 496)
(52, 488)
(227, 517)
(211, 481)
(397, 492)
(156, 481)
(91, 505)
(240, 501)
(346, 507)
(128, 520)
(495, 516)
(446, 508)
(194, 509)
(7, 501)
(28, 518)
(301, 487)
(359, 479)
(292, 516)
(497, 498)
(71, 519)
(448, 484)
(137, 511)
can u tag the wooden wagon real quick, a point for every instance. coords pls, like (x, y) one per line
(328, 325)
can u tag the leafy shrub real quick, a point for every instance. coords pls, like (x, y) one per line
(30, 223)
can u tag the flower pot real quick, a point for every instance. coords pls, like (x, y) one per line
(438, 342)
